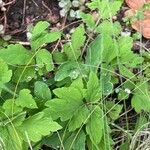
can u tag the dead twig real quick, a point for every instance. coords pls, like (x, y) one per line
(24, 11)
(43, 3)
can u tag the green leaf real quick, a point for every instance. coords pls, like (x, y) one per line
(59, 57)
(40, 36)
(70, 99)
(95, 125)
(126, 56)
(33, 127)
(79, 118)
(106, 85)
(93, 93)
(27, 75)
(68, 69)
(109, 49)
(79, 143)
(45, 38)
(88, 20)
(10, 107)
(59, 108)
(141, 98)
(107, 141)
(5, 74)
(141, 123)
(107, 27)
(94, 53)
(10, 139)
(78, 83)
(101, 50)
(42, 91)
(15, 55)
(126, 72)
(125, 145)
(114, 109)
(107, 8)
(44, 59)
(68, 93)
(39, 28)
(77, 41)
(25, 99)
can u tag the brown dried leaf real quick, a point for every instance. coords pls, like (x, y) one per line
(130, 13)
(147, 14)
(136, 4)
(143, 27)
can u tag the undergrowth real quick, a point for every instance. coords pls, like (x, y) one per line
(80, 95)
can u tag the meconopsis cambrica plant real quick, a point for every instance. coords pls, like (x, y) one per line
(71, 8)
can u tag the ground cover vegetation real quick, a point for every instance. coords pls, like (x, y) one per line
(77, 79)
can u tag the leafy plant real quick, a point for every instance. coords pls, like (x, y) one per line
(74, 97)
(21, 118)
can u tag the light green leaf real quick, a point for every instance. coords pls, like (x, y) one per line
(79, 118)
(68, 69)
(126, 72)
(44, 59)
(10, 135)
(106, 85)
(107, 27)
(114, 109)
(40, 36)
(94, 53)
(93, 93)
(45, 38)
(39, 28)
(5, 74)
(107, 8)
(88, 20)
(27, 75)
(33, 127)
(15, 55)
(126, 56)
(141, 98)
(109, 50)
(141, 123)
(78, 83)
(59, 108)
(95, 125)
(25, 99)
(10, 139)
(59, 57)
(42, 91)
(11, 107)
(77, 41)
(68, 93)
(70, 99)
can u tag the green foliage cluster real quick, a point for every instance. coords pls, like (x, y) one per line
(67, 99)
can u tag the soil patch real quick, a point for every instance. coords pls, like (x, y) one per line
(24, 12)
